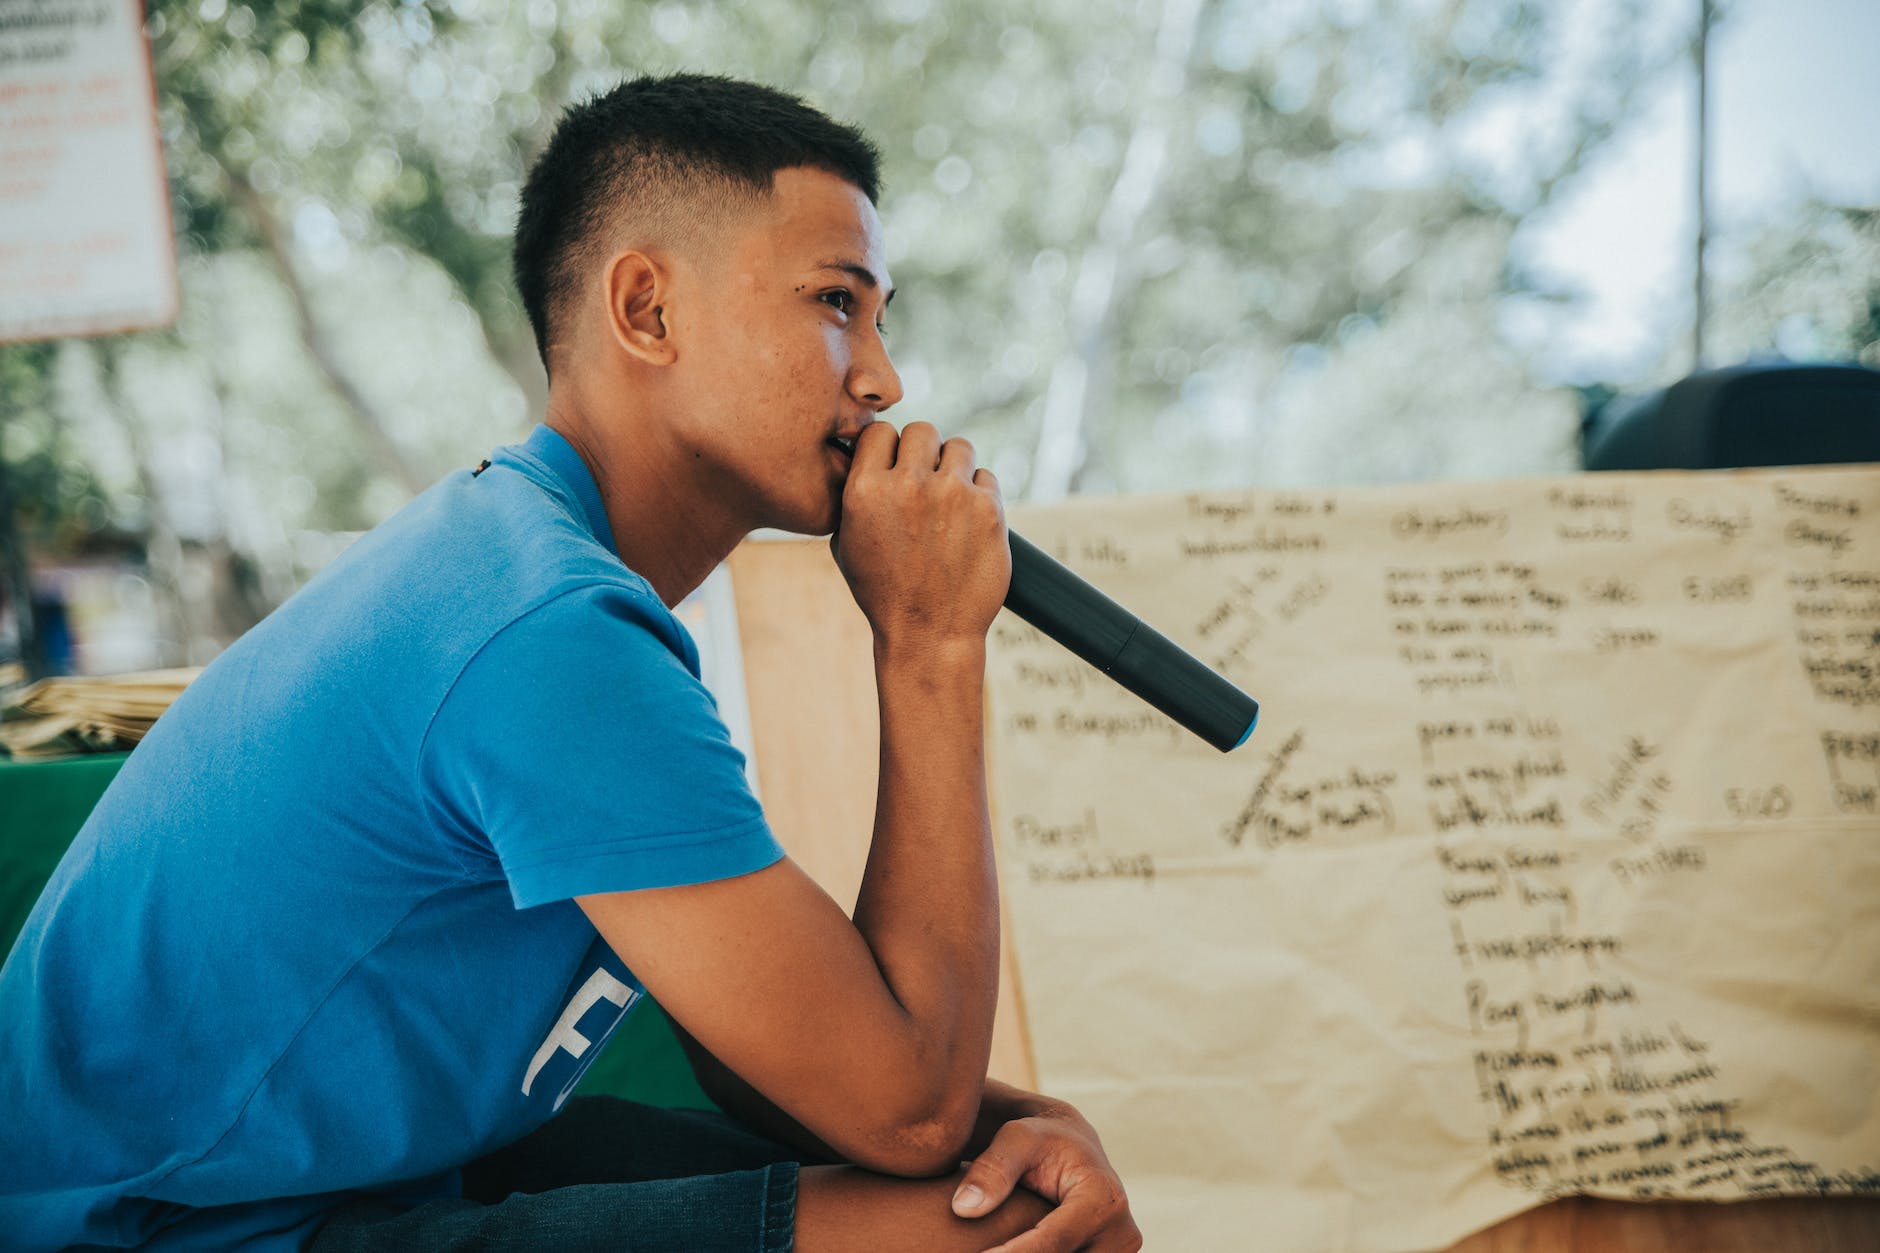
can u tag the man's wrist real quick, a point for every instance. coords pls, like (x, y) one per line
(920, 651)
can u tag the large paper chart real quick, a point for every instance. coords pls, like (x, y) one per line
(1553, 866)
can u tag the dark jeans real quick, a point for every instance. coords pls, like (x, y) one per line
(602, 1174)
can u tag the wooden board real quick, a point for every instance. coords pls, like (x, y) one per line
(1587, 1225)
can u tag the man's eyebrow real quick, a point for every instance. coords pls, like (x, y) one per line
(861, 274)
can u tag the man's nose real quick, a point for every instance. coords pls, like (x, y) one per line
(873, 379)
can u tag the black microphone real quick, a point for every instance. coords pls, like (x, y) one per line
(1047, 595)
(1129, 650)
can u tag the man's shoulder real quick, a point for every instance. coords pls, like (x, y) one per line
(456, 579)
(469, 558)
(500, 527)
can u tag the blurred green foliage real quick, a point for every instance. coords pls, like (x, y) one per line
(1141, 245)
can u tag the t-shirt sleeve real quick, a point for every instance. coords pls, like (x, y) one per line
(581, 748)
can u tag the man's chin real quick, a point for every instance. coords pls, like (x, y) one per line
(811, 522)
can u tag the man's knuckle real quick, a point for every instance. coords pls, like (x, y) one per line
(1038, 1131)
(993, 1169)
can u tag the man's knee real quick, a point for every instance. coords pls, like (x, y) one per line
(844, 1208)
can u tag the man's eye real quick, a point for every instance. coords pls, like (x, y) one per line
(840, 300)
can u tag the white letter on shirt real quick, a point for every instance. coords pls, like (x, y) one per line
(599, 985)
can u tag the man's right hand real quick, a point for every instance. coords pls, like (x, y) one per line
(922, 539)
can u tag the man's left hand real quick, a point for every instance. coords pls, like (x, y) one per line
(1054, 1152)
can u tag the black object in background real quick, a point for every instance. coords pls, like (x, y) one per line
(1117, 642)
(1778, 415)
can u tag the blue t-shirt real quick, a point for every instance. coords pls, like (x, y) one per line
(317, 939)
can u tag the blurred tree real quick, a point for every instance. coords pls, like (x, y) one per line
(1142, 243)
(56, 500)
(1805, 288)
(25, 468)
(49, 500)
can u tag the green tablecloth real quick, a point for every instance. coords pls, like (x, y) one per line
(43, 804)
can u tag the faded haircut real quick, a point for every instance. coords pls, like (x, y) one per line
(662, 158)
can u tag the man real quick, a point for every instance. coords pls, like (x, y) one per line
(335, 948)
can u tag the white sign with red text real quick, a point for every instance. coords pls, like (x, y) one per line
(85, 240)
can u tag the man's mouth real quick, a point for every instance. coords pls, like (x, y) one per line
(843, 444)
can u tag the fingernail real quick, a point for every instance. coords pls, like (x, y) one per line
(968, 1197)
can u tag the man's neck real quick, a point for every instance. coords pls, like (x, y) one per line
(663, 529)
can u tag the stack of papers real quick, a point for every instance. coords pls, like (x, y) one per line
(62, 716)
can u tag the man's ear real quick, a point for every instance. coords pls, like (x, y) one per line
(637, 289)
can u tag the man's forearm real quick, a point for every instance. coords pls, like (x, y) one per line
(928, 906)
(927, 913)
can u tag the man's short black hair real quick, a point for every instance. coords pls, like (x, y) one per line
(646, 150)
